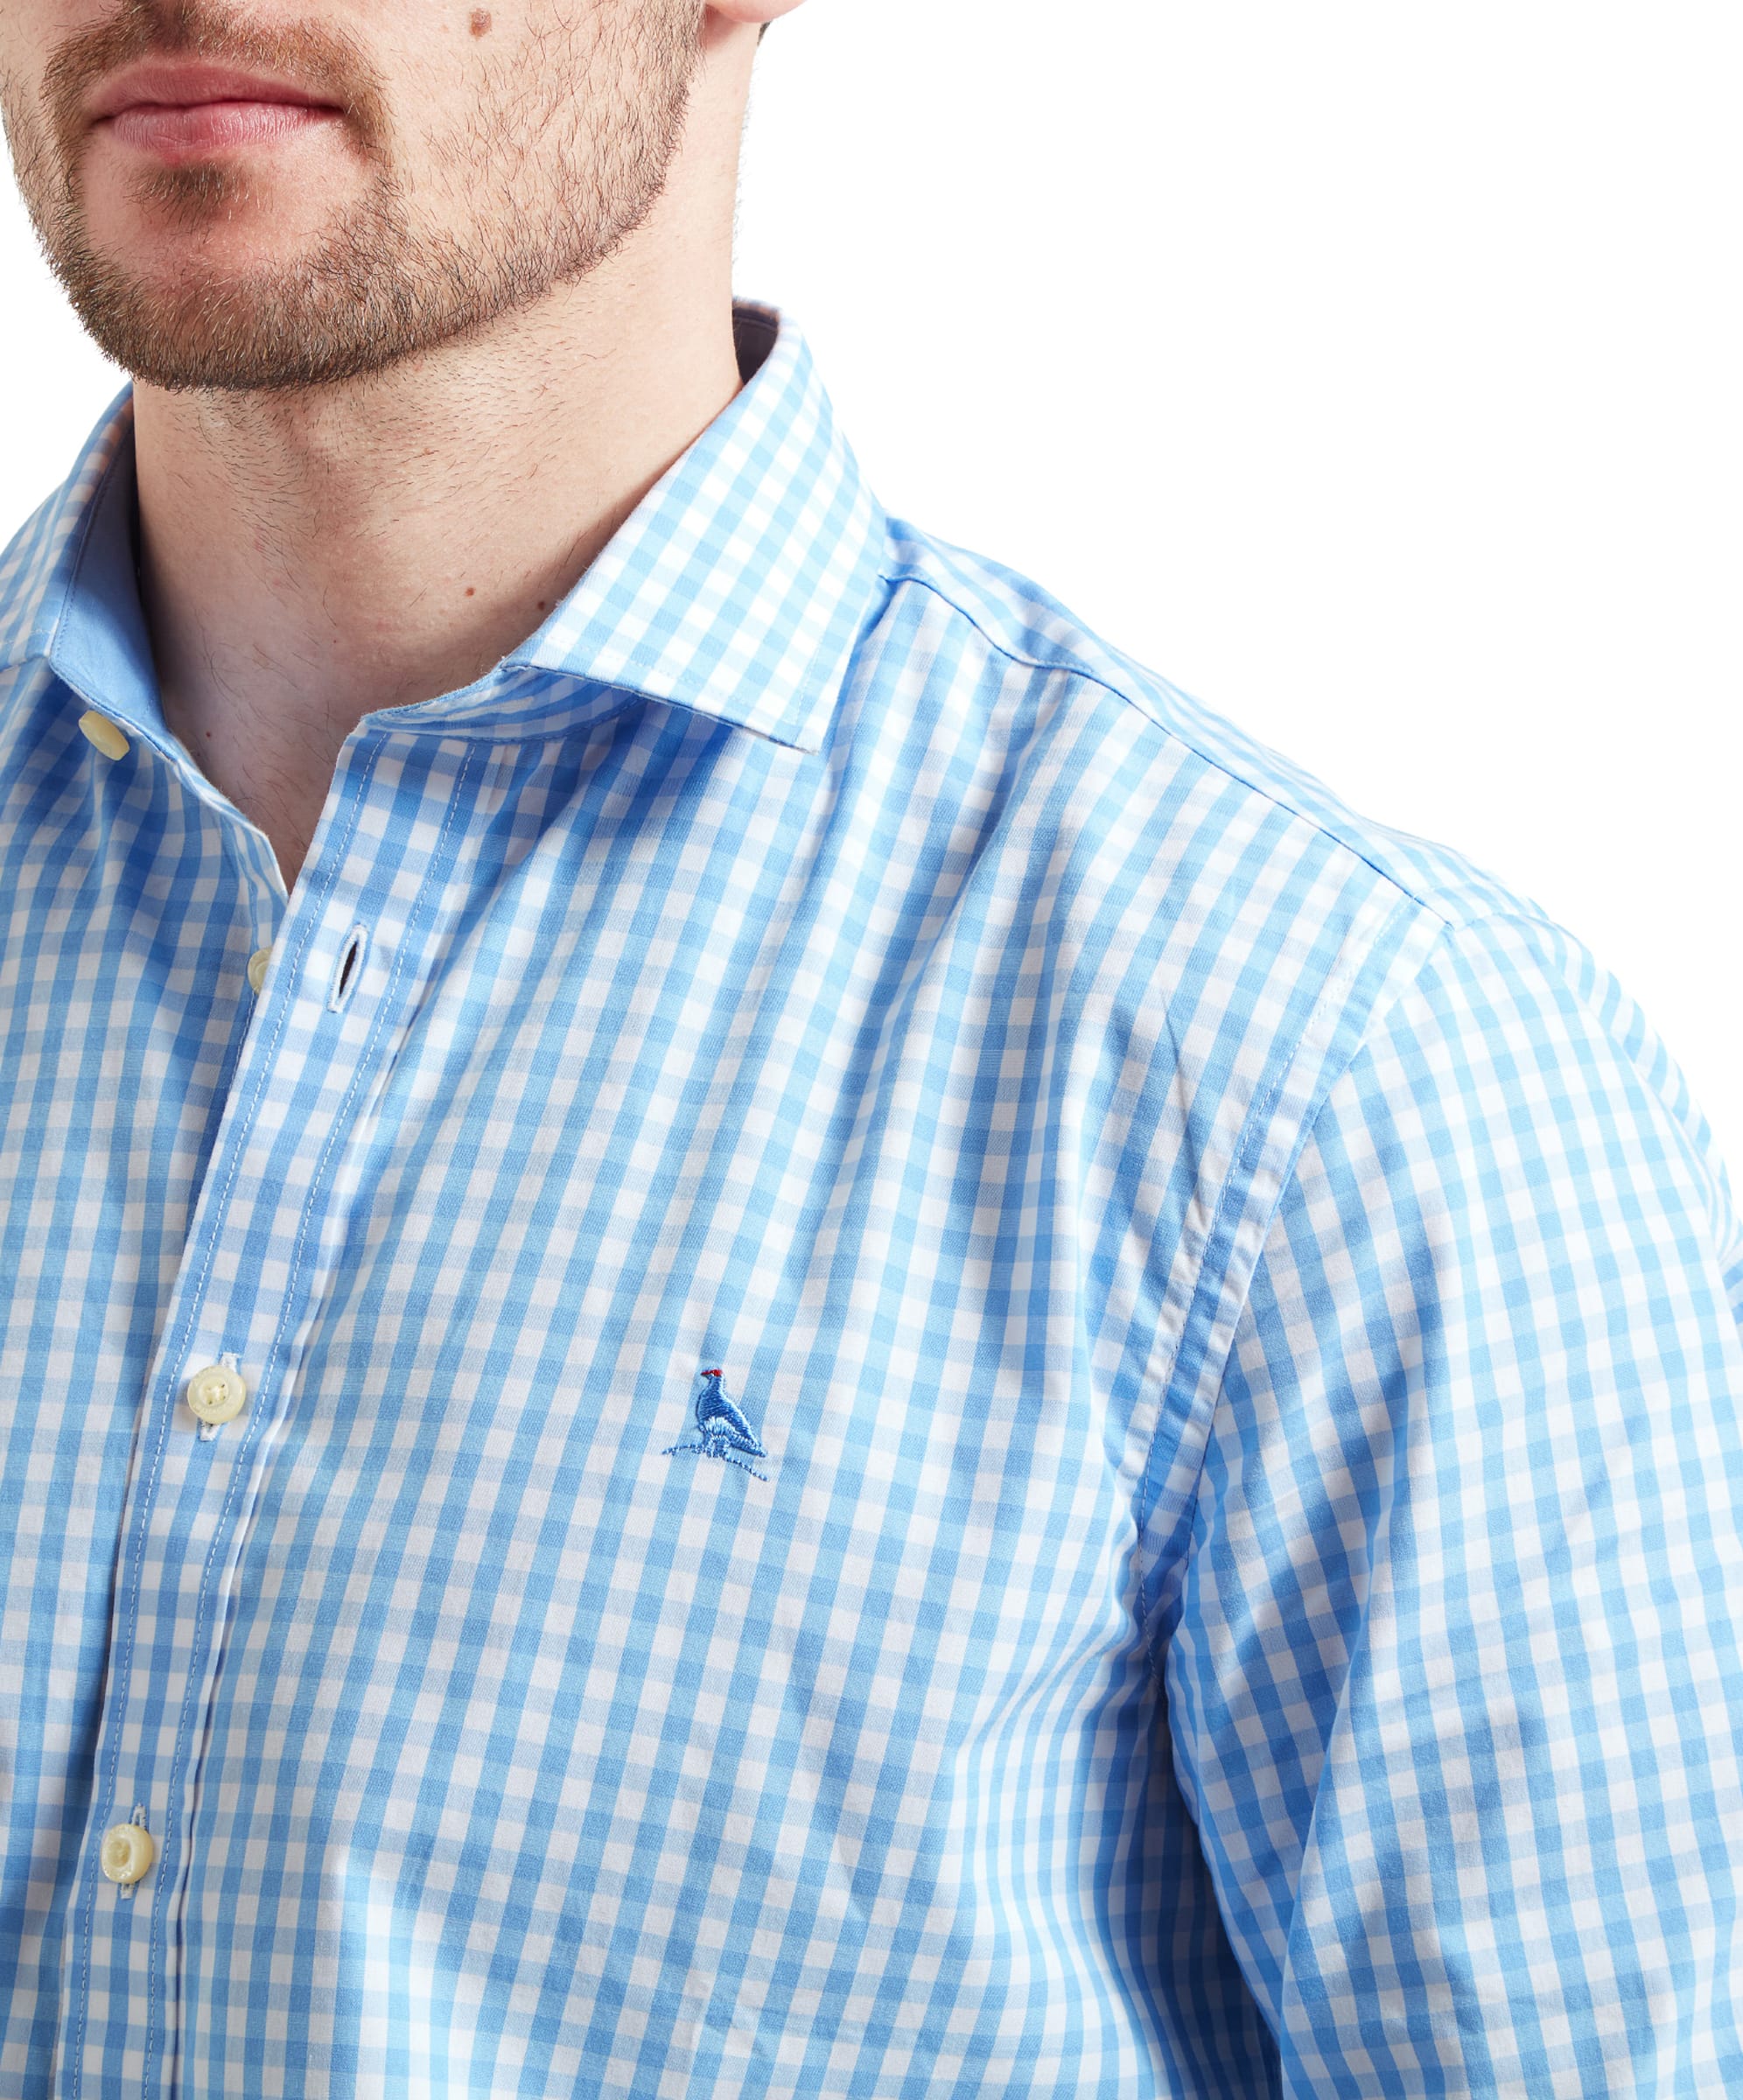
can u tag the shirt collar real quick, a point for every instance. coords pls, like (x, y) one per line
(738, 587)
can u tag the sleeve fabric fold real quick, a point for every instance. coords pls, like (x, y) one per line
(1452, 1656)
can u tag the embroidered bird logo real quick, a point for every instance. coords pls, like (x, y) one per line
(723, 1431)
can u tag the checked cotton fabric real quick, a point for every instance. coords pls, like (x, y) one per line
(948, 1389)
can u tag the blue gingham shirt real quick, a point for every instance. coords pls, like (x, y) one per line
(947, 1390)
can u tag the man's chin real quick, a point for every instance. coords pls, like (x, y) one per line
(229, 307)
(212, 331)
(208, 275)
(210, 310)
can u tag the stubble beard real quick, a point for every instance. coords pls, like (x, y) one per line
(560, 160)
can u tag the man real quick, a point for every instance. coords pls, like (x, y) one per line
(765, 1332)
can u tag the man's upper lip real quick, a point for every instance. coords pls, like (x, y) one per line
(180, 84)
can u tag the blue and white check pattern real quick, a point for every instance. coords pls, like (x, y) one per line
(1238, 1314)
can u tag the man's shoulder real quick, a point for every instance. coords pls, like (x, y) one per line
(1205, 761)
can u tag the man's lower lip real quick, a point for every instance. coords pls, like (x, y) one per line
(178, 132)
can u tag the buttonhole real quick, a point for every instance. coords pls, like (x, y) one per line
(349, 968)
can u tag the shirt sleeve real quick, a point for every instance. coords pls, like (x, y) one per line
(1453, 1655)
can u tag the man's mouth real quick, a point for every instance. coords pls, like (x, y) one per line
(180, 111)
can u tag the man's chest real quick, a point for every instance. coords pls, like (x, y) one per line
(674, 1496)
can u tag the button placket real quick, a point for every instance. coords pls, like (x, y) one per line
(274, 1179)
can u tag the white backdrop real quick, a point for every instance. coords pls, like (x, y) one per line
(1372, 369)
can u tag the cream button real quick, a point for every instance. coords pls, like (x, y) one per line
(257, 963)
(217, 1394)
(103, 733)
(128, 1853)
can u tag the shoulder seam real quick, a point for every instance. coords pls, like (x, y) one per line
(907, 574)
(1070, 666)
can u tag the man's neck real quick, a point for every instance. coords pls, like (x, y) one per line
(310, 557)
